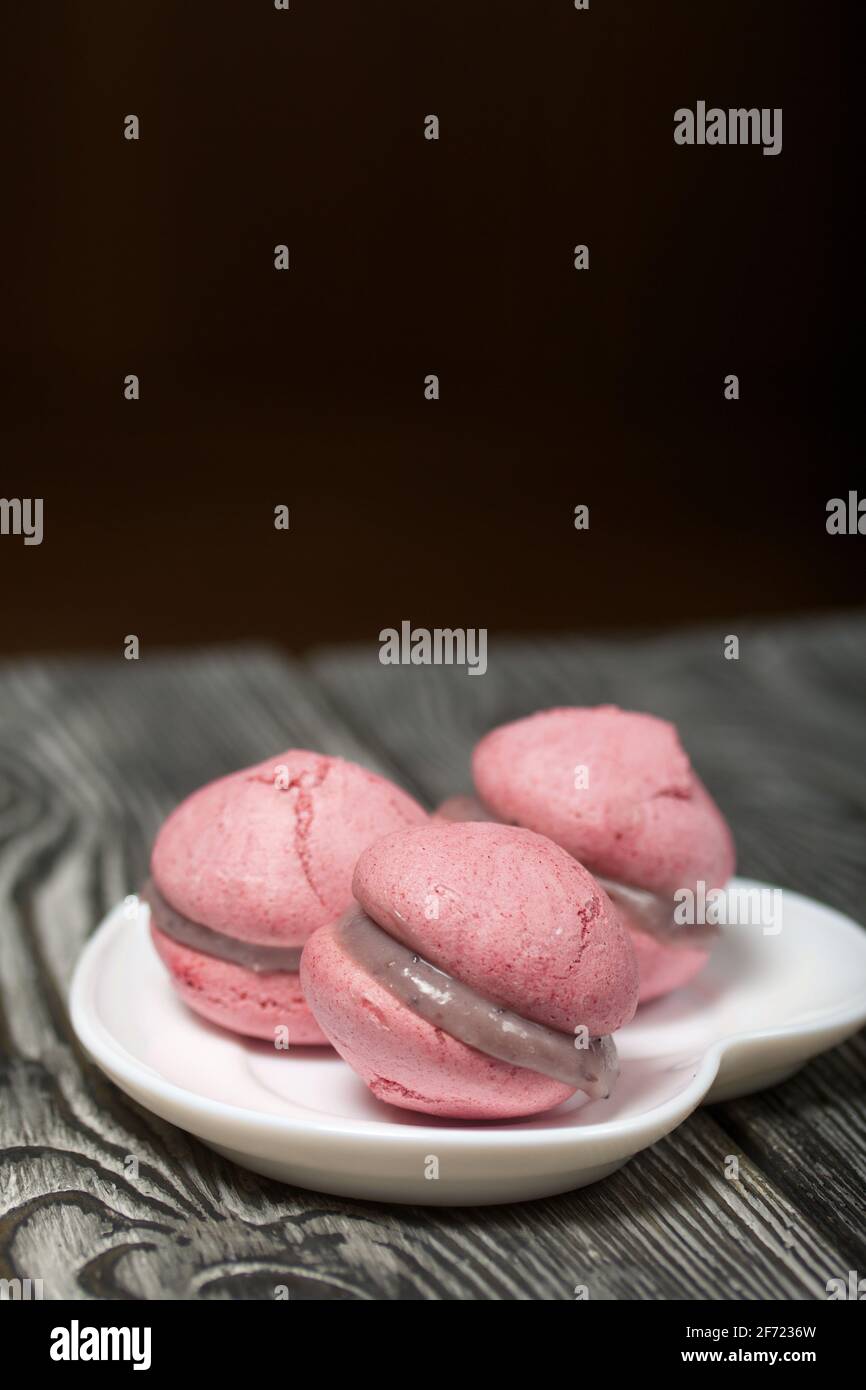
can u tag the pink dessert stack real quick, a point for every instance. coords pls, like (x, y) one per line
(475, 964)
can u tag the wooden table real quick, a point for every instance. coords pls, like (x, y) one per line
(92, 756)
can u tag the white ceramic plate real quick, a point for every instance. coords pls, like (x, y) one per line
(763, 1006)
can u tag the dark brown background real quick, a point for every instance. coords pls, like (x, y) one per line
(411, 257)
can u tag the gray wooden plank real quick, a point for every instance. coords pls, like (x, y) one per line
(91, 757)
(667, 1226)
(809, 1137)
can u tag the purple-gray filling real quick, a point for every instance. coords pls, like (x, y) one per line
(653, 913)
(459, 1010)
(214, 943)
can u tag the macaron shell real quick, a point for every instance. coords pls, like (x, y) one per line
(405, 1060)
(510, 914)
(643, 817)
(664, 968)
(245, 1001)
(661, 967)
(267, 853)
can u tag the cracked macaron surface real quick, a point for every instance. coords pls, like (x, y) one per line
(508, 915)
(264, 856)
(267, 854)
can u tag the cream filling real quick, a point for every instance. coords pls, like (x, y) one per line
(460, 1011)
(249, 954)
(653, 913)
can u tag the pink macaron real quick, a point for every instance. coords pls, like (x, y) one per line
(479, 974)
(247, 867)
(617, 791)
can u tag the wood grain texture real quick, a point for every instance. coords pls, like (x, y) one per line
(780, 737)
(92, 756)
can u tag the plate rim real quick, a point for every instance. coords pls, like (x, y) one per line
(113, 1058)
